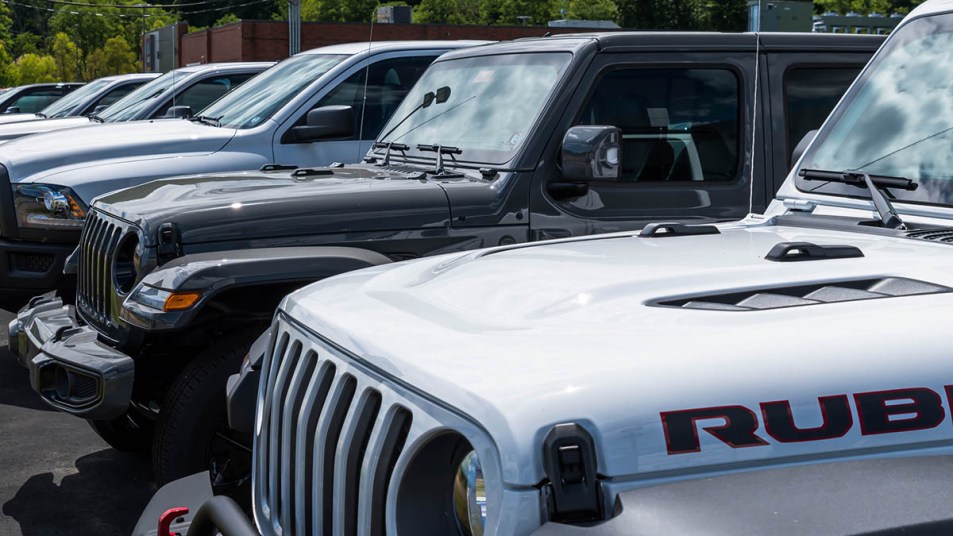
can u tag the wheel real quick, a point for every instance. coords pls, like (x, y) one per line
(129, 433)
(192, 434)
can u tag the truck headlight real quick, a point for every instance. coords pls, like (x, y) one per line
(44, 206)
(469, 496)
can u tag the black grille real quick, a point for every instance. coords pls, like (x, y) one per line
(319, 425)
(936, 235)
(94, 285)
(33, 262)
(792, 296)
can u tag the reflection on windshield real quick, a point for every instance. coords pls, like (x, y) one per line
(898, 119)
(493, 105)
(259, 98)
(126, 108)
(67, 104)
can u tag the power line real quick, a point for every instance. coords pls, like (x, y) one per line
(132, 15)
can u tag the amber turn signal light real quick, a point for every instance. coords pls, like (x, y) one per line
(178, 301)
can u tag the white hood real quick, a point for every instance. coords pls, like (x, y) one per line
(524, 338)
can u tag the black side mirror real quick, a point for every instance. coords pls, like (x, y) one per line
(440, 96)
(802, 146)
(12, 110)
(178, 112)
(326, 122)
(591, 153)
(99, 109)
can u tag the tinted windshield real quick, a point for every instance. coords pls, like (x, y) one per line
(898, 119)
(262, 96)
(494, 102)
(67, 104)
(128, 107)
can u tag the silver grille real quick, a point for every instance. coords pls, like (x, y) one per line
(94, 285)
(328, 438)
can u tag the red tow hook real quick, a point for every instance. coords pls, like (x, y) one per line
(166, 519)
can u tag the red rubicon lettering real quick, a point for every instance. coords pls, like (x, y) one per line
(779, 422)
(917, 408)
(681, 429)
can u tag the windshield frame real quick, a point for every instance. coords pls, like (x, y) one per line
(908, 32)
(134, 98)
(463, 160)
(75, 98)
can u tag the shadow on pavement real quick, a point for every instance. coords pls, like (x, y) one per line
(15, 387)
(105, 497)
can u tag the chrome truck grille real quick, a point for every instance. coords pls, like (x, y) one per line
(328, 437)
(94, 285)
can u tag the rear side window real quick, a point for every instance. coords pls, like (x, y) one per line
(201, 94)
(810, 94)
(117, 93)
(34, 101)
(677, 124)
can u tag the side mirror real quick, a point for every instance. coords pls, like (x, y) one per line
(326, 122)
(98, 110)
(591, 153)
(178, 112)
(12, 110)
(802, 146)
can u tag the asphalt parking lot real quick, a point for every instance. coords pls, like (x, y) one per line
(56, 475)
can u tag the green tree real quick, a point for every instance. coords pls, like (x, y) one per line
(723, 15)
(115, 57)
(864, 7)
(228, 18)
(34, 69)
(592, 10)
(25, 43)
(9, 72)
(447, 12)
(67, 57)
(518, 12)
(338, 10)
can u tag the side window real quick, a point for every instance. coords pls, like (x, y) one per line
(205, 92)
(810, 94)
(36, 100)
(115, 94)
(677, 124)
(388, 82)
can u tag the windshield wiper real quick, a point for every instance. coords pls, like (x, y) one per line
(206, 120)
(440, 150)
(96, 118)
(875, 184)
(387, 146)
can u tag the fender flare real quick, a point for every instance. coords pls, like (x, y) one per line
(212, 273)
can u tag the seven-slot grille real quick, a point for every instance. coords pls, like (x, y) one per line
(328, 439)
(98, 246)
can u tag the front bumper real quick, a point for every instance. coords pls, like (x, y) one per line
(69, 367)
(29, 268)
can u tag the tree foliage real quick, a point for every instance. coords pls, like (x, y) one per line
(592, 10)
(68, 57)
(34, 69)
(864, 7)
(115, 57)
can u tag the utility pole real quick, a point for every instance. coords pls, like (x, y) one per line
(294, 27)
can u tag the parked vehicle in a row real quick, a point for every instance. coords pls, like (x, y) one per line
(489, 148)
(84, 101)
(262, 122)
(493, 392)
(32, 98)
(196, 86)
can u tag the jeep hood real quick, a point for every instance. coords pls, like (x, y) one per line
(256, 205)
(51, 154)
(531, 336)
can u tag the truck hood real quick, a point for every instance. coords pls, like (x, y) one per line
(47, 155)
(527, 337)
(9, 132)
(257, 205)
(18, 118)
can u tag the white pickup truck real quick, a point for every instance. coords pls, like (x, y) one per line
(502, 391)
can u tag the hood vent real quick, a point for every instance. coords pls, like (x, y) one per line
(936, 235)
(794, 296)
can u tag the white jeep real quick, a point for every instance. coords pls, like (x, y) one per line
(498, 391)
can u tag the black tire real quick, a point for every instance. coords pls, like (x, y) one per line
(128, 433)
(191, 434)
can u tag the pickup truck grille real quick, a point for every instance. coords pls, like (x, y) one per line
(97, 252)
(328, 438)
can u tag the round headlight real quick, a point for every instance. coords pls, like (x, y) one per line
(54, 201)
(469, 496)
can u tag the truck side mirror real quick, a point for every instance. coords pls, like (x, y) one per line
(592, 153)
(12, 110)
(335, 121)
(99, 109)
(178, 112)
(802, 146)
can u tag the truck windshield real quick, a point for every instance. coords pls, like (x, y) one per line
(67, 104)
(897, 120)
(494, 102)
(258, 99)
(126, 108)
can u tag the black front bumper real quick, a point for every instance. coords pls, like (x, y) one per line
(70, 368)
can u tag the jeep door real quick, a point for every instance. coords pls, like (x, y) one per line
(373, 89)
(687, 125)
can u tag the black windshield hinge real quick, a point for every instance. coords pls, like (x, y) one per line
(169, 242)
(573, 493)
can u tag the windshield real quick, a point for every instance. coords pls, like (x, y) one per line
(898, 119)
(258, 99)
(128, 107)
(67, 104)
(493, 104)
